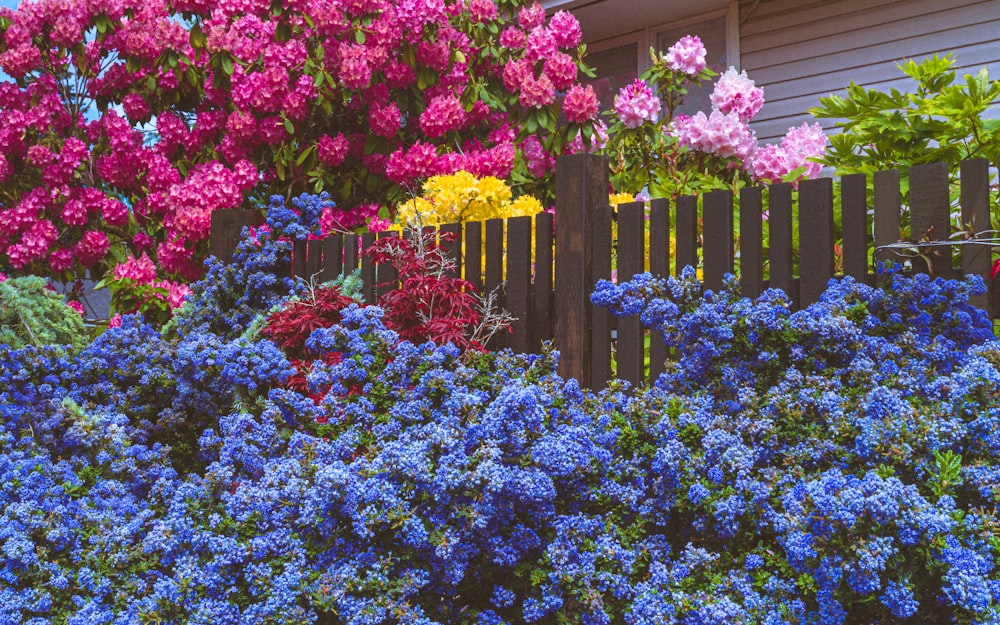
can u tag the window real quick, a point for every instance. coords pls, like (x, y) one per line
(615, 68)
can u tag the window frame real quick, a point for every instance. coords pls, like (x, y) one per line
(646, 38)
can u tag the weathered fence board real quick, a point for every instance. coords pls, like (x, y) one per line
(751, 241)
(854, 224)
(631, 256)
(659, 265)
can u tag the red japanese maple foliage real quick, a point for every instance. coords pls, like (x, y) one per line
(430, 303)
(289, 328)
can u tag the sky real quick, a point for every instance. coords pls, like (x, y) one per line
(9, 3)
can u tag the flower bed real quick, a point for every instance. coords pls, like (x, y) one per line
(834, 465)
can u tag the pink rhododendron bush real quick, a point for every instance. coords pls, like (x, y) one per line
(653, 147)
(124, 124)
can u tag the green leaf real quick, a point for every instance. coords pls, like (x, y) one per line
(289, 126)
(306, 153)
(197, 37)
(227, 64)
(359, 36)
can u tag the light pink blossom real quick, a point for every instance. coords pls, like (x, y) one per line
(722, 134)
(636, 104)
(687, 56)
(735, 92)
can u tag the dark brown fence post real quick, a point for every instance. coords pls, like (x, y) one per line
(601, 321)
(930, 217)
(333, 257)
(518, 281)
(659, 265)
(751, 242)
(975, 199)
(779, 203)
(854, 225)
(493, 272)
(368, 279)
(581, 187)
(815, 238)
(473, 260)
(888, 202)
(386, 276)
(687, 233)
(542, 300)
(717, 234)
(631, 256)
(299, 259)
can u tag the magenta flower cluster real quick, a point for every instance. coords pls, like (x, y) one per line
(124, 125)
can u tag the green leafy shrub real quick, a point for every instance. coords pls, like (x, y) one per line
(943, 119)
(32, 314)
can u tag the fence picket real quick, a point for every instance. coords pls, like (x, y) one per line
(333, 257)
(975, 200)
(386, 274)
(815, 238)
(687, 233)
(717, 233)
(751, 241)
(314, 258)
(299, 259)
(631, 248)
(473, 259)
(368, 277)
(494, 270)
(351, 242)
(659, 265)
(452, 245)
(226, 228)
(930, 217)
(542, 295)
(888, 203)
(518, 281)
(780, 258)
(601, 320)
(854, 225)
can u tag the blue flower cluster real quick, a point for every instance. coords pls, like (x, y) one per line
(827, 466)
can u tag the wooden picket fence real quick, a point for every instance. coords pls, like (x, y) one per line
(544, 275)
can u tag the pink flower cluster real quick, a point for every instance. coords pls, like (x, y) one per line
(539, 64)
(725, 132)
(636, 104)
(260, 101)
(142, 271)
(722, 134)
(736, 93)
(774, 162)
(687, 56)
(580, 104)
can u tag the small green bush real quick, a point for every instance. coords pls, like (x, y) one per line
(31, 314)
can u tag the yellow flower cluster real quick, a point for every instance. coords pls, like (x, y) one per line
(620, 198)
(460, 198)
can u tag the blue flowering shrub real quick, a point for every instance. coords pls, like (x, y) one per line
(834, 465)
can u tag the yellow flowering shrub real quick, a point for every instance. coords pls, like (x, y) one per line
(460, 198)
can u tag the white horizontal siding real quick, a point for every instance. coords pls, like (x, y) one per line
(799, 51)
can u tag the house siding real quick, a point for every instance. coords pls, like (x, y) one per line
(800, 51)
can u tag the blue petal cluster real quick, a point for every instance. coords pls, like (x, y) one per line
(832, 465)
